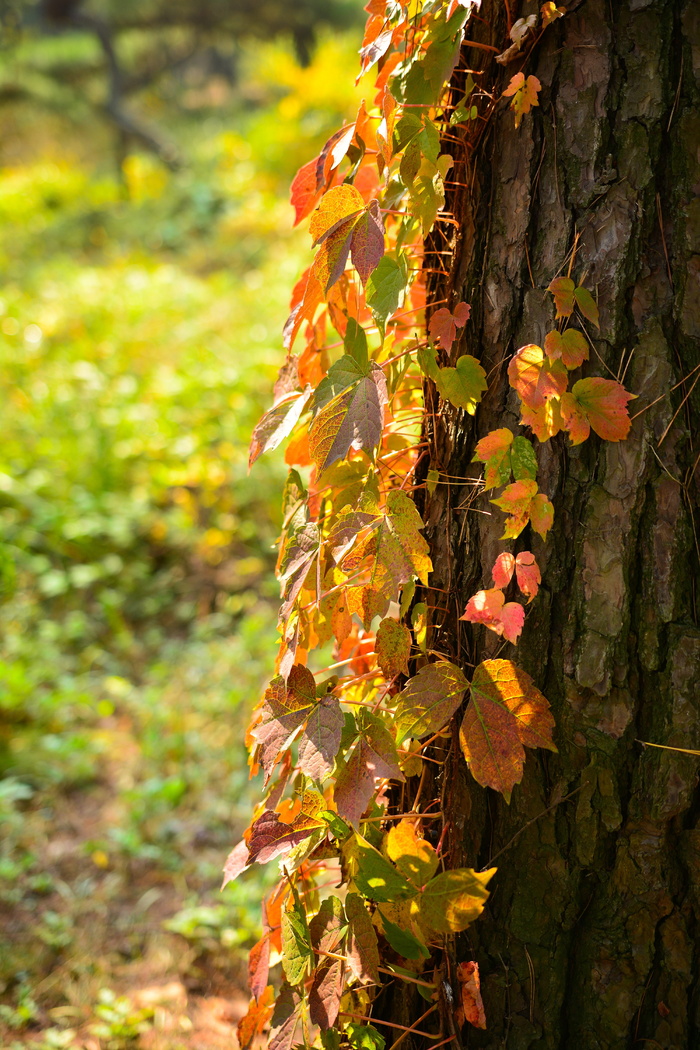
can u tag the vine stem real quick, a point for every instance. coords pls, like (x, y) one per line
(412, 1029)
(389, 1024)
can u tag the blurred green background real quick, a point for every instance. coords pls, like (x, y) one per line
(145, 281)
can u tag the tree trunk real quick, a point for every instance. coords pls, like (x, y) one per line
(590, 938)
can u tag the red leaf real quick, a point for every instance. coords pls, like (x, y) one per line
(357, 781)
(259, 966)
(535, 379)
(305, 190)
(597, 403)
(271, 836)
(276, 424)
(470, 988)
(368, 241)
(527, 573)
(285, 708)
(443, 324)
(325, 993)
(503, 568)
(236, 862)
(362, 951)
(522, 502)
(352, 419)
(491, 609)
(320, 740)
(285, 1019)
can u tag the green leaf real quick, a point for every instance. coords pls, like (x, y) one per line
(523, 462)
(403, 941)
(355, 345)
(587, 305)
(386, 288)
(375, 877)
(364, 1037)
(297, 954)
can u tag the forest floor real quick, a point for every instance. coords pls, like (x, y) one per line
(140, 320)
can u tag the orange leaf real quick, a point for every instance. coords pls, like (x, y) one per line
(522, 502)
(524, 93)
(305, 190)
(570, 346)
(503, 568)
(491, 609)
(535, 379)
(340, 204)
(550, 12)
(506, 711)
(562, 288)
(253, 1023)
(470, 988)
(600, 404)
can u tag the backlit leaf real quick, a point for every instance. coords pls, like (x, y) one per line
(386, 288)
(503, 455)
(320, 741)
(353, 419)
(535, 379)
(285, 1019)
(373, 758)
(523, 503)
(251, 1025)
(259, 966)
(297, 956)
(236, 862)
(527, 573)
(505, 711)
(276, 424)
(338, 205)
(600, 404)
(332, 256)
(444, 324)
(570, 346)
(429, 699)
(490, 608)
(271, 836)
(364, 1037)
(362, 951)
(285, 708)
(454, 899)
(305, 190)
(524, 94)
(464, 384)
(368, 241)
(374, 876)
(393, 647)
(503, 569)
(413, 856)
(469, 982)
(545, 421)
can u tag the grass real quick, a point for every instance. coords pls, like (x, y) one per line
(139, 338)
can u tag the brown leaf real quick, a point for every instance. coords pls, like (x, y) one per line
(284, 1021)
(325, 993)
(320, 741)
(470, 989)
(362, 951)
(259, 966)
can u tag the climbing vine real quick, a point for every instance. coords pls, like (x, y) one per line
(365, 895)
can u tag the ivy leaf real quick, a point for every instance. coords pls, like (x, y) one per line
(503, 569)
(305, 190)
(570, 346)
(468, 978)
(325, 993)
(550, 12)
(271, 836)
(296, 558)
(357, 780)
(562, 288)
(413, 856)
(535, 379)
(527, 573)
(524, 94)
(362, 951)
(600, 404)
(491, 609)
(236, 862)
(429, 700)
(386, 288)
(251, 1025)
(403, 940)
(375, 877)
(545, 421)
(259, 966)
(587, 305)
(523, 503)
(285, 1019)
(339, 204)
(444, 324)
(454, 899)
(332, 256)
(503, 455)
(277, 424)
(462, 385)
(352, 419)
(393, 647)
(326, 929)
(428, 190)
(367, 246)
(285, 708)
(505, 711)
(364, 1037)
(320, 740)
(297, 955)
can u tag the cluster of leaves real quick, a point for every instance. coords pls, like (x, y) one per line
(352, 554)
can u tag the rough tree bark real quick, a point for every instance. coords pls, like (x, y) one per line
(590, 939)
